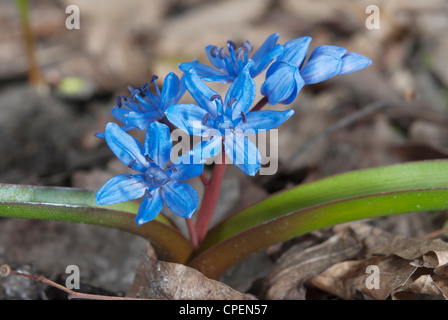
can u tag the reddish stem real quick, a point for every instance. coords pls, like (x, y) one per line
(210, 199)
(204, 179)
(260, 104)
(193, 233)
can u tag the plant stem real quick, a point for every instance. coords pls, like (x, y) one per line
(193, 234)
(34, 76)
(260, 104)
(210, 199)
(204, 179)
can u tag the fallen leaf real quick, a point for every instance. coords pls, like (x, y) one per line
(157, 279)
(407, 267)
(298, 265)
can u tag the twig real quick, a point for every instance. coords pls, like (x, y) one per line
(5, 271)
(435, 234)
(369, 109)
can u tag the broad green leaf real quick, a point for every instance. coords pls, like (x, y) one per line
(169, 243)
(77, 205)
(407, 176)
(63, 196)
(218, 258)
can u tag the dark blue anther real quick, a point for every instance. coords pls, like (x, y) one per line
(243, 117)
(154, 78)
(215, 96)
(247, 45)
(222, 53)
(119, 104)
(231, 44)
(172, 167)
(130, 176)
(131, 163)
(231, 101)
(239, 53)
(214, 51)
(148, 158)
(205, 119)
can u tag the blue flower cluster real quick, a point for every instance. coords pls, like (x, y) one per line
(223, 123)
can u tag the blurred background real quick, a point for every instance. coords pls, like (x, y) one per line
(49, 116)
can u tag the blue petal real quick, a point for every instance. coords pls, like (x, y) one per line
(219, 79)
(264, 49)
(243, 89)
(102, 135)
(294, 51)
(201, 93)
(283, 83)
(121, 188)
(120, 113)
(142, 120)
(125, 147)
(325, 62)
(170, 89)
(262, 64)
(186, 167)
(181, 198)
(189, 118)
(264, 120)
(150, 207)
(158, 143)
(201, 69)
(352, 62)
(328, 50)
(243, 153)
(206, 149)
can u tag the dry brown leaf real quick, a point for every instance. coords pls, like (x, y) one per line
(407, 268)
(298, 264)
(156, 279)
(347, 278)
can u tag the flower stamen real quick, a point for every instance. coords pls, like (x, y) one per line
(222, 53)
(148, 158)
(215, 96)
(214, 51)
(243, 117)
(131, 163)
(231, 101)
(205, 119)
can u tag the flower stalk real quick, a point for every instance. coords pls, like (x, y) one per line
(210, 199)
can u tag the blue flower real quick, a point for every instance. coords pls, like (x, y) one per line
(287, 75)
(225, 123)
(226, 67)
(158, 180)
(143, 107)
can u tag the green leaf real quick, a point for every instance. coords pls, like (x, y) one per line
(218, 258)
(65, 196)
(169, 243)
(407, 176)
(77, 205)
